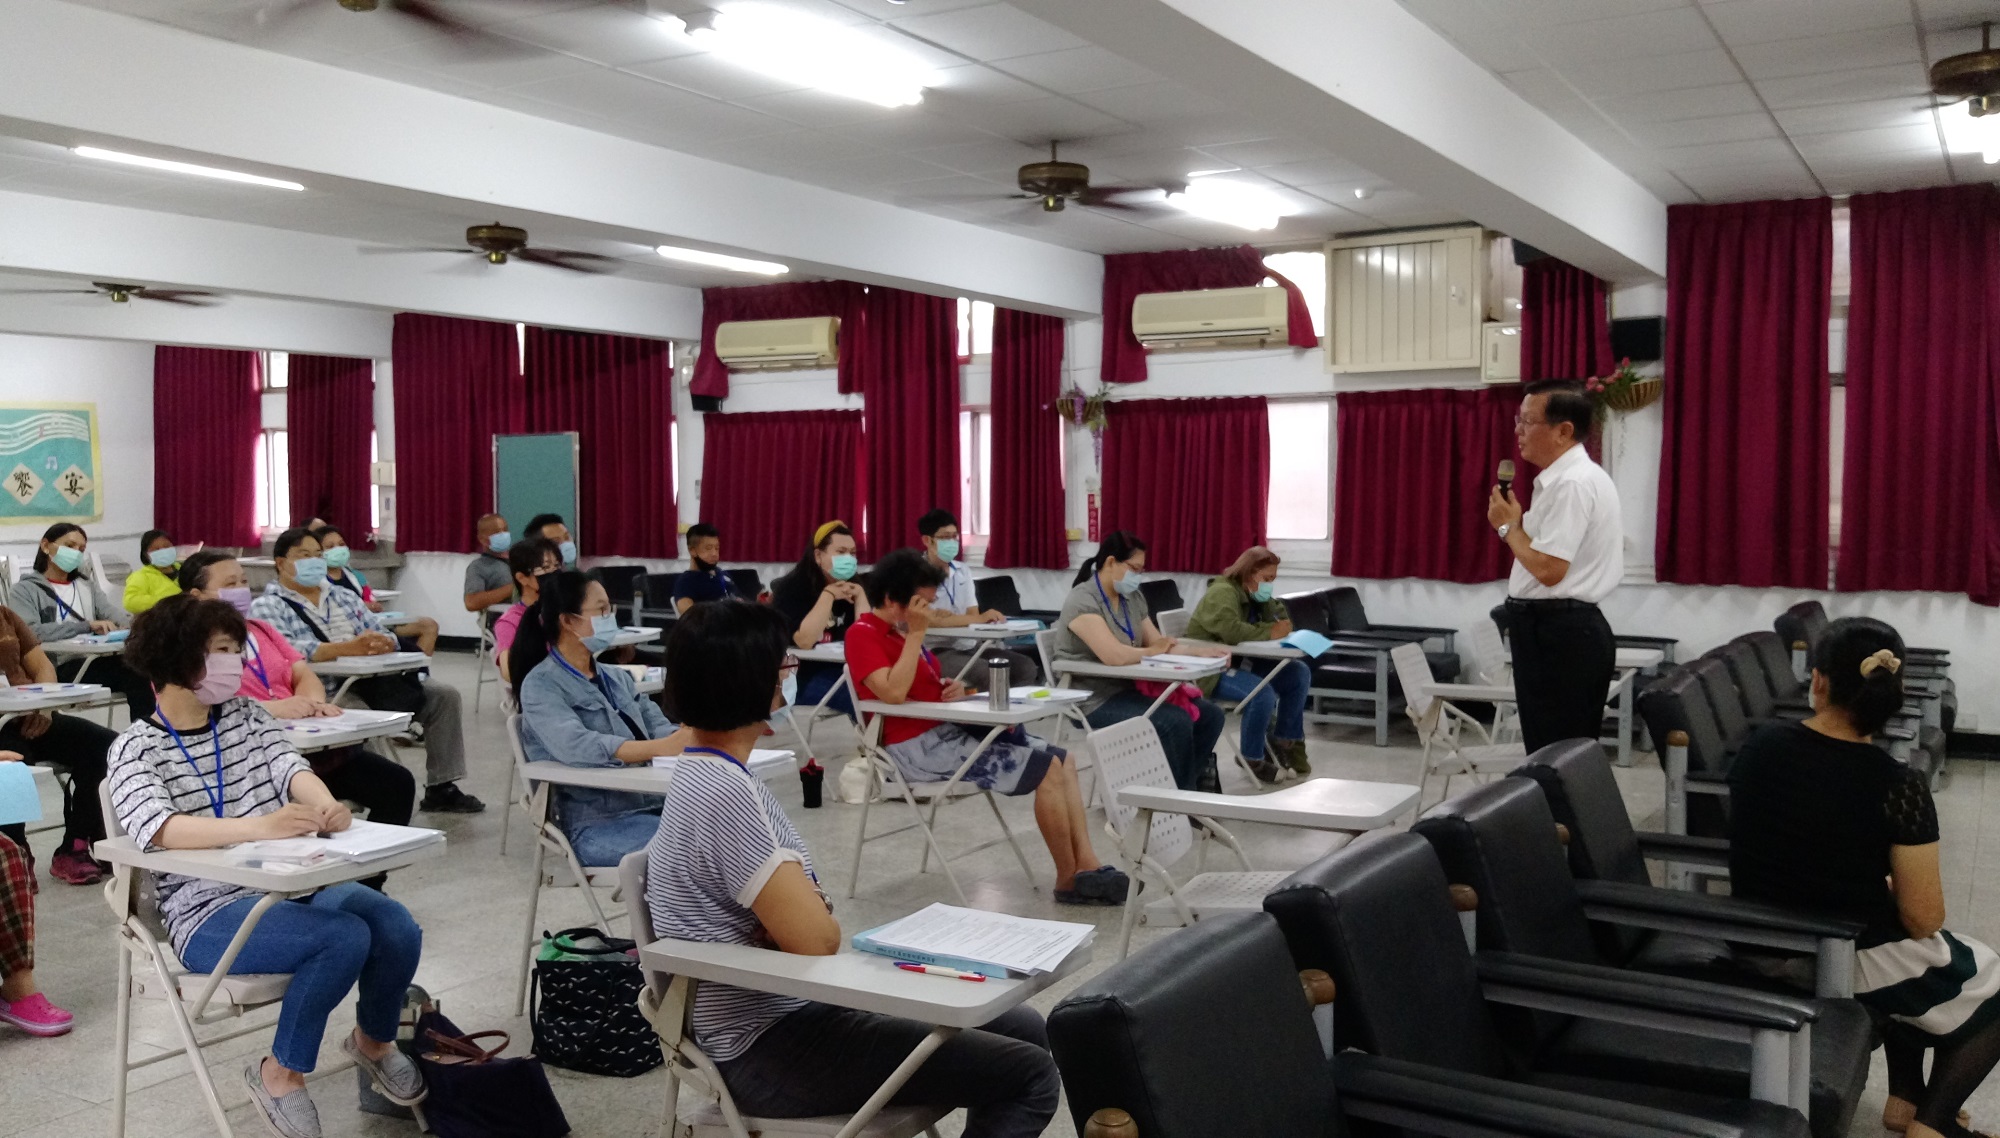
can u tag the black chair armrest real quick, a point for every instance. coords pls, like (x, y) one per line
(1614, 988)
(1683, 848)
(1407, 1094)
(1409, 631)
(1721, 912)
(1626, 640)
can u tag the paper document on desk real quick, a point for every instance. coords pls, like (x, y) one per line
(361, 841)
(1009, 626)
(759, 757)
(1308, 641)
(356, 720)
(1180, 663)
(974, 940)
(20, 801)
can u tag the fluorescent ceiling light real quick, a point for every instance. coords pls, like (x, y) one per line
(1965, 134)
(1232, 203)
(183, 168)
(798, 48)
(723, 261)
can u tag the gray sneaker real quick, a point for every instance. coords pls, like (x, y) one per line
(292, 1116)
(395, 1077)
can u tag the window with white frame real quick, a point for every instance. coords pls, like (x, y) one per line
(1306, 269)
(274, 479)
(975, 328)
(1297, 507)
(277, 370)
(975, 464)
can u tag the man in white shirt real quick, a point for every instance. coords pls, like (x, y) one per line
(957, 605)
(1568, 555)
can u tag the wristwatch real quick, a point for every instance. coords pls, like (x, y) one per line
(1504, 530)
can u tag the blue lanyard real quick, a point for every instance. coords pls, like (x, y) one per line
(1124, 610)
(255, 661)
(718, 753)
(950, 588)
(214, 796)
(63, 608)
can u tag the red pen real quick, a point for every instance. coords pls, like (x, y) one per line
(934, 970)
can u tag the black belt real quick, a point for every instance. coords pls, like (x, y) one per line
(1550, 604)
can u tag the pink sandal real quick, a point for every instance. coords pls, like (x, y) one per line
(36, 1016)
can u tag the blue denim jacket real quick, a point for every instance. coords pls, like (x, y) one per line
(568, 719)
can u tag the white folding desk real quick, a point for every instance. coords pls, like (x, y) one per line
(638, 778)
(386, 595)
(345, 730)
(348, 669)
(29, 698)
(1157, 673)
(831, 653)
(626, 637)
(864, 982)
(970, 712)
(89, 648)
(983, 634)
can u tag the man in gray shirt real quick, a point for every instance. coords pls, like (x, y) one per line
(488, 581)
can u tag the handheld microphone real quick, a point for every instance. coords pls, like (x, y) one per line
(1506, 476)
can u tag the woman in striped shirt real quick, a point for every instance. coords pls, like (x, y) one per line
(728, 867)
(210, 769)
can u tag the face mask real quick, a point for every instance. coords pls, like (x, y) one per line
(237, 598)
(500, 542)
(704, 566)
(789, 688)
(844, 565)
(163, 558)
(1262, 592)
(602, 629)
(67, 558)
(337, 556)
(948, 549)
(311, 571)
(568, 552)
(1128, 584)
(221, 678)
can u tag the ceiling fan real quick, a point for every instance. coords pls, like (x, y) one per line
(1055, 183)
(1972, 76)
(499, 243)
(430, 13)
(120, 293)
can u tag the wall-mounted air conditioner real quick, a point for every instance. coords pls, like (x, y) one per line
(768, 345)
(1211, 318)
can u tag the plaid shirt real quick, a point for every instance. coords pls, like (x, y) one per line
(308, 636)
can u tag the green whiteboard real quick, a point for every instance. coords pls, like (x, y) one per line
(536, 474)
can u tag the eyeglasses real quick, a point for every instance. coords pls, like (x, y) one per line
(1519, 421)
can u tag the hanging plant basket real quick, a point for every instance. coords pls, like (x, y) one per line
(1086, 411)
(1642, 394)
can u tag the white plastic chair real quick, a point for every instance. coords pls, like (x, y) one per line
(486, 666)
(115, 595)
(1130, 754)
(667, 1002)
(534, 801)
(1491, 665)
(1441, 725)
(886, 780)
(193, 999)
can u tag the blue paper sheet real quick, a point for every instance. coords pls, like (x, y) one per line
(1307, 641)
(20, 801)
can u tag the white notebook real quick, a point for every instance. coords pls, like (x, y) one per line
(361, 841)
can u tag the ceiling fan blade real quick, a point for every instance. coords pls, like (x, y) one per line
(188, 299)
(1110, 197)
(574, 260)
(374, 249)
(48, 291)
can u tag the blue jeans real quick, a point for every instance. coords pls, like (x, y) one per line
(327, 942)
(1284, 699)
(813, 688)
(606, 841)
(1190, 744)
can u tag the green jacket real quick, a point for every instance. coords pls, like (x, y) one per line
(1219, 618)
(147, 587)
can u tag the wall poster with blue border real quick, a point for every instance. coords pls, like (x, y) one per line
(49, 463)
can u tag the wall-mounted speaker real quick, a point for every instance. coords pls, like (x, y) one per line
(1525, 254)
(1639, 338)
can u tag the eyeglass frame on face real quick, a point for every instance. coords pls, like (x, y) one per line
(1520, 422)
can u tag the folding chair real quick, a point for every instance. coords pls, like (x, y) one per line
(1130, 754)
(1492, 666)
(1440, 723)
(887, 778)
(534, 801)
(667, 1002)
(193, 999)
(103, 579)
(1173, 622)
(486, 664)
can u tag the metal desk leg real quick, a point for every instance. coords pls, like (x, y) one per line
(538, 817)
(1227, 738)
(87, 662)
(344, 685)
(1382, 698)
(1135, 854)
(1627, 687)
(895, 1081)
(819, 707)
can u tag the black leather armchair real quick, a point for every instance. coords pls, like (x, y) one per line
(1675, 706)
(1207, 1034)
(1501, 840)
(621, 584)
(745, 583)
(999, 593)
(1162, 595)
(1377, 916)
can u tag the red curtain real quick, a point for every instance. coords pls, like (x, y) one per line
(1189, 477)
(329, 421)
(206, 420)
(617, 394)
(910, 380)
(1126, 275)
(784, 301)
(1743, 463)
(769, 480)
(457, 383)
(1026, 476)
(1565, 323)
(1922, 480)
(1411, 478)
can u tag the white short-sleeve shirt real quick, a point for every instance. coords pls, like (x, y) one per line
(1574, 516)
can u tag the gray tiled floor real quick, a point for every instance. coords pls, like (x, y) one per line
(471, 904)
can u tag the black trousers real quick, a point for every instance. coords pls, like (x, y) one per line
(382, 787)
(79, 746)
(1564, 658)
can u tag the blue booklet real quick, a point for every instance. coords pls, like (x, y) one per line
(1308, 641)
(19, 800)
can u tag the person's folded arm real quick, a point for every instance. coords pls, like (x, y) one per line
(1096, 635)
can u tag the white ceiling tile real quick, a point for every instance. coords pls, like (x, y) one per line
(1847, 86)
(1680, 158)
(1539, 14)
(908, 46)
(1870, 175)
(713, 76)
(1076, 70)
(469, 69)
(992, 158)
(907, 133)
(993, 31)
(1695, 132)
(1554, 96)
(1269, 152)
(1732, 98)
(980, 81)
(1027, 121)
(817, 109)
(1880, 141)
(1873, 47)
(1751, 183)
(611, 94)
(1631, 75)
(1663, 32)
(1851, 116)
(1758, 21)
(1315, 172)
(611, 35)
(1154, 103)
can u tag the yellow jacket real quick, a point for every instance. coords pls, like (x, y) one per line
(147, 587)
